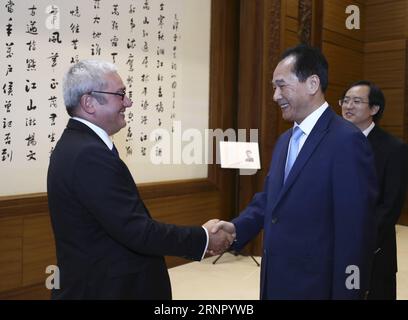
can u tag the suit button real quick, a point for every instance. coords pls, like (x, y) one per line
(275, 220)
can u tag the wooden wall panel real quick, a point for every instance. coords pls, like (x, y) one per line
(385, 63)
(291, 39)
(343, 49)
(38, 248)
(382, 46)
(335, 18)
(394, 108)
(291, 24)
(386, 69)
(189, 209)
(386, 20)
(11, 244)
(292, 8)
(345, 65)
(333, 94)
(343, 41)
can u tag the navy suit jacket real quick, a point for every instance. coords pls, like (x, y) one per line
(108, 246)
(321, 220)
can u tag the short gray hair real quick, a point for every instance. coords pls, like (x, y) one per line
(84, 77)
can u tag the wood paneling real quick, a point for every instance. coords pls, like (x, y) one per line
(292, 8)
(383, 46)
(190, 209)
(335, 18)
(386, 69)
(394, 108)
(343, 49)
(174, 188)
(333, 94)
(224, 54)
(11, 244)
(35, 292)
(345, 65)
(38, 248)
(386, 20)
(291, 24)
(291, 39)
(23, 205)
(342, 41)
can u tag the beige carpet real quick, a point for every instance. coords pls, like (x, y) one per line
(237, 277)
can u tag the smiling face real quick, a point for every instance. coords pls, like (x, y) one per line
(356, 109)
(290, 94)
(110, 115)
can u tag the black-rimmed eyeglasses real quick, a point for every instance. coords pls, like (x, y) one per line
(120, 94)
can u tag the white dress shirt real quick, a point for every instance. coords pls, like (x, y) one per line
(99, 131)
(367, 131)
(308, 123)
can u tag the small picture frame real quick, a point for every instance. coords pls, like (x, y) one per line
(239, 155)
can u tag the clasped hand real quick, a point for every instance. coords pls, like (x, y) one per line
(221, 236)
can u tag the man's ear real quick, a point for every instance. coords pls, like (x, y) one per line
(313, 84)
(374, 109)
(87, 104)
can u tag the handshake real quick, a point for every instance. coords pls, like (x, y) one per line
(221, 236)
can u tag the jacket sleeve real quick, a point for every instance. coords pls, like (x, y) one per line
(251, 220)
(106, 189)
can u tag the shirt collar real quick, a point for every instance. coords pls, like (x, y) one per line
(99, 131)
(367, 131)
(309, 122)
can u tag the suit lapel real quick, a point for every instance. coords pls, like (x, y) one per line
(316, 135)
(79, 126)
(375, 137)
(277, 168)
(278, 171)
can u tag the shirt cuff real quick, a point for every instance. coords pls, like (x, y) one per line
(206, 244)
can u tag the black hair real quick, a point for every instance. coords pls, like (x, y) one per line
(309, 61)
(375, 97)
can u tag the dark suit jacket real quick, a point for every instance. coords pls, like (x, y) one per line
(108, 246)
(391, 159)
(321, 220)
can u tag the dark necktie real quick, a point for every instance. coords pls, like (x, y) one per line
(115, 151)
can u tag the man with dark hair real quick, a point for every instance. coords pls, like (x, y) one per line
(318, 198)
(363, 104)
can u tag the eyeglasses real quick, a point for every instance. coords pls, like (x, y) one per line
(120, 94)
(355, 101)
